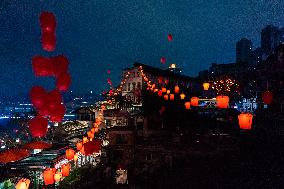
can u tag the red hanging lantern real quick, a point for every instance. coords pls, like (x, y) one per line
(37, 95)
(166, 97)
(194, 101)
(170, 37)
(172, 97)
(48, 176)
(48, 41)
(23, 183)
(65, 169)
(37, 145)
(160, 93)
(79, 145)
(60, 65)
(69, 153)
(222, 101)
(164, 89)
(267, 97)
(163, 60)
(63, 82)
(47, 22)
(245, 121)
(38, 126)
(176, 89)
(187, 105)
(42, 66)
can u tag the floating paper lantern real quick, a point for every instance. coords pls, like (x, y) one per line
(166, 97)
(168, 91)
(37, 95)
(48, 41)
(79, 145)
(38, 126)
(42, 66)
(222, 101)
(245, 121)
(63, 82)
(172, 97)
(69, 153)
(47, 22)
(58, 114)
(65, 170)
(176, 89)
(57, 176)
(182, 96)
(60, 65)
(194, 101)
(23, 183)
(206, 86)
(48, 176)
(267, 97)
(164, 89)
(187, 105)
(170, 37)
(163, 60)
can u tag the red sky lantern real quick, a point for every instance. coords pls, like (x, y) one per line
(222, 101)
(48, 41)
(164, 89)
(160, 93)
(37, 95)
(63, 82)
(23, 183)
(48, 176)
(172, 97)
(12, 155)
(69, 153)
(245, 121)
(58, 114)
(47, 22)
(176, 89)
(194, 101)
(60, 65)
(166, 97)
(170, 37)
(37, 145)
(267, 97)
(65, 169)
(163, 60)
(38, 126)
(187, 105)
(42, 66)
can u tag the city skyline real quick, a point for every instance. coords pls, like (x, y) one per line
(203, 35)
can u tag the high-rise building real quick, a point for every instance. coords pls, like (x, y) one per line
(244, 51)
(271, 37)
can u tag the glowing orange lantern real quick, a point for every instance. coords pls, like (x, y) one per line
(172, 96)
(164, 89)
(69, 153)
(206, 86)
(245, 121)
(168, 91)
(176, 89)
(23, 183)
(194, 101)
(85, 139)
(76, 157)
(222, 101)
(79, 145)
(65, 169)
(187, 105)
(166, 97)
(48, 176)
(57, 176)
(182, 96)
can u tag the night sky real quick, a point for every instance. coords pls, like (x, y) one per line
(101, 34)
